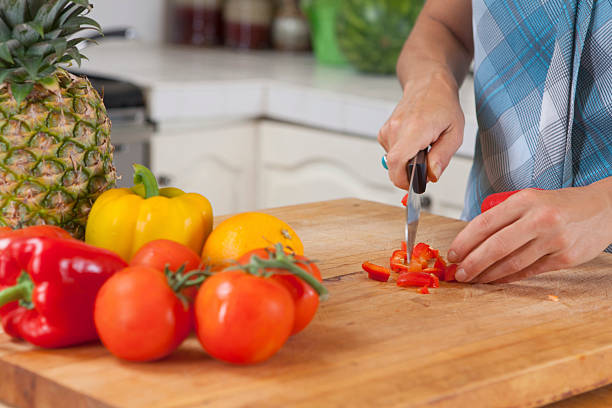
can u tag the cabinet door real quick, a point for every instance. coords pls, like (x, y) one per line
(300, 164)
(217, 162)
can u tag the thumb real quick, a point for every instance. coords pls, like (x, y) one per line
(442, 151)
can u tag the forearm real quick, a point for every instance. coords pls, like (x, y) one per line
(603, 189)
(439, 45)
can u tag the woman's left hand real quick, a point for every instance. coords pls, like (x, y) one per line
(533, 232)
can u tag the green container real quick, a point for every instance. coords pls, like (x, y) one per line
(370, 33)
(321, 16)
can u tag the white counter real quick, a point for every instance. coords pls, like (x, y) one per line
(184, 84)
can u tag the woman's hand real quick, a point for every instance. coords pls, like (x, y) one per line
(428, 114)
(432, 65)
(533, 232)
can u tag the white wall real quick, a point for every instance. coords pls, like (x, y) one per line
(146, 16)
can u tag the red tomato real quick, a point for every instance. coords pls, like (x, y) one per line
(138, 316)
(304, 296)
(241, 318)
(160, 253)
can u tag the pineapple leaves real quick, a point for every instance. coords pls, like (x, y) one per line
(48, 13)
(41, 49)
(25, 34)
(84, 3)
(21, 90)
(81, 23)
(5, 53)
(5, 31)
(50, 83)
(60, 46)
(4, 74)
(14, 11)
(38, 35)
(34, 6)
(37, 27)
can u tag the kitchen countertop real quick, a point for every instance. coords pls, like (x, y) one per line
(371, 343)
(191, 85)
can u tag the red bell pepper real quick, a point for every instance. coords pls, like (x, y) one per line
(497, 198)
(418, 279)
(398, 260)
(376, 272)
(48, 286)
(449, 273)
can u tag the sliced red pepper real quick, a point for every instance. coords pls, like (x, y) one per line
(423, 254)
(437, 272)
(405, 200)
(398, 261)
(376, 272)
(423, 290)
(415, 279)
(449, 273)
(435, 280)
(404, 246)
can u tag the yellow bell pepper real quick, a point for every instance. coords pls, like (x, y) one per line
(124, 219)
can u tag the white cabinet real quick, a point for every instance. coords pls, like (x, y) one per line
(259, 164)
(300, 164)
(218, 162)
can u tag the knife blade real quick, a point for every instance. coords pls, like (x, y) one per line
(416, 170)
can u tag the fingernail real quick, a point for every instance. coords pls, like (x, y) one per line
(437, 171)
(452, 256)
(460, 275)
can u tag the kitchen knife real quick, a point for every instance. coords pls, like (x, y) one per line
(416, 170)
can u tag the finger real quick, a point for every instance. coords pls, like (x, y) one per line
(383, 136)
(407, 146)
(442, 151)
(494, 248)
(546, 263)
(482, 227)
(514, 263)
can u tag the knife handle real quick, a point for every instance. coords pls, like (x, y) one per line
(419, 183)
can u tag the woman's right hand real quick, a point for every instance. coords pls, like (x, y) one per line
(428, 114)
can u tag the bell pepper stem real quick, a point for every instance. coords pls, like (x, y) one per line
(144, 176)
(20, 291)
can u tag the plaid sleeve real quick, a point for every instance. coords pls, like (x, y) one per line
(543, 88)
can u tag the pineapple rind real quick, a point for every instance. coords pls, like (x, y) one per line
(55, 154)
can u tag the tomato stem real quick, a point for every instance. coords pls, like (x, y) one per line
(281, 260)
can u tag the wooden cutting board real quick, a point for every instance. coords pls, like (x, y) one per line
(372, 344)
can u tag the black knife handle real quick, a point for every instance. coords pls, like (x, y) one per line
(420, 176)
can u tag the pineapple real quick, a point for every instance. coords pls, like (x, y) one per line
(56, 157)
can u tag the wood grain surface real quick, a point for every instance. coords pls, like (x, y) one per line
(371, 343)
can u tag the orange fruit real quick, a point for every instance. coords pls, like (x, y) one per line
(244, 232)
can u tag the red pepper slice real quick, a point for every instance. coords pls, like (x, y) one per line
(398, 260)
(415, 279)
(435, 280)
(404, 246)
(376, 272)
(436, 275)
(405, 200)
(423, 290)
(449, 273)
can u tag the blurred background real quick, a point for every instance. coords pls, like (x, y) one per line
(261, 103)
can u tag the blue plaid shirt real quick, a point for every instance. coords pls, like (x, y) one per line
(543, 86)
